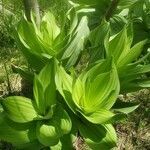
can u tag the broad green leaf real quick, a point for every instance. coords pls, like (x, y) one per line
(63, 120)
(135, 85)
(47, 78)
(45, 89)
(28, 37)
(133, 54)
(47, 74)
(91, 131)
(19, 109)
(64, 86)
(29, 55)
(50, 132)
(125, 107)
(78, 94)
(19, 135)
(39, 96)
(101, 86)
(99, 117)
(96, 38)
(117, 46)
(106, 143)
(134, 70)
(47, 133)
(76, 45)
(49, 28)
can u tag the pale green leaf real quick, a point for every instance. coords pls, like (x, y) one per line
(97, 37)
(64, 86)
(50, 132)
(63, 120)
(76, 45)
(49, 28)
(19, 135)
(108, 142)
(47, 133)
(125, 107)
(19, 109)
(133, 54)
(117, 46)
(99, 117)
(45, 89)
(91, 131)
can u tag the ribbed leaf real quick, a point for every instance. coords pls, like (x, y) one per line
(64, 86)
(101, 85)
(135, 85)
(126, 3)
(91, 132)
(39, 95)
(96, 38)
(29, 55)
(124, 107)
(49, 28)
(45, 89)
(50, 132)
(19, 135)
(133, 54)
(19, 109)
(76, 45)
(28, 37)
(117, 46)
(133, 70)
(108, 142)
(99, 117)
(63, 120)
(47, 134)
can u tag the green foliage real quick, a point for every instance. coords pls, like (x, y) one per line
(43, 114)
(66, 102)
(51, 40)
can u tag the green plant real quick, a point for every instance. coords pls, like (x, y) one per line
(127, 57)
(33, 123)
(51, 40)
(92, 97)
(44, 120)
(67, 104)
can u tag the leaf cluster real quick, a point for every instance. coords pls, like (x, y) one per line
(66, 102)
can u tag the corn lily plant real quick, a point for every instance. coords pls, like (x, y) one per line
(90, 100)
(35, 123)
(66, 104)
(91, 97)
(128, 61)
(50, 40)
(126, 56)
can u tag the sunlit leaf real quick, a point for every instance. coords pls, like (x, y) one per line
(124, 107)
(19, 109)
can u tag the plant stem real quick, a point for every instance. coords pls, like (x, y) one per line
(32, 5)
(111, 9)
